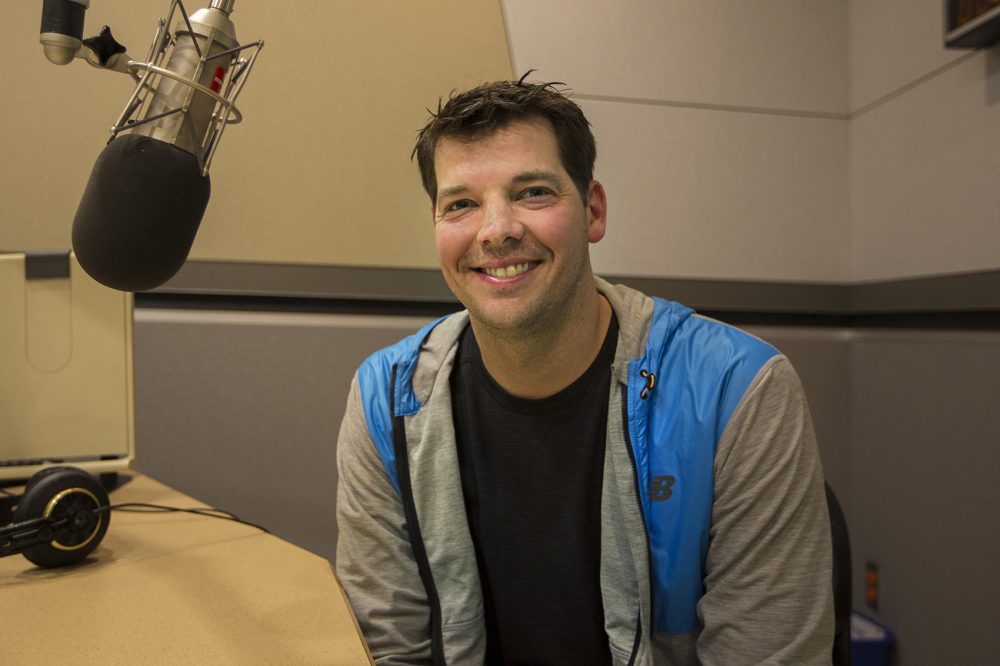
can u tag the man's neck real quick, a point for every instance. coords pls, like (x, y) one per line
(537, 364)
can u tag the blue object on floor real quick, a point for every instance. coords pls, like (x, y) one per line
(871, 642)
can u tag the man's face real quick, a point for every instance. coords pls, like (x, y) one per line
(511, 229)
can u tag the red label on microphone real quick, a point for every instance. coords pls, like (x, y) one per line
(220, 74)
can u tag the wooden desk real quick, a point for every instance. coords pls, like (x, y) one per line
(177, 589)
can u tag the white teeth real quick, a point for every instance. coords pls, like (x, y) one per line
(508, 271)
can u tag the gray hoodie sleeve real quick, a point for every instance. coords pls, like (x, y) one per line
(769, 596)
(375, 562)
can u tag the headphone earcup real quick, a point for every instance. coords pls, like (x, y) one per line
(48, 471)
(71, 496)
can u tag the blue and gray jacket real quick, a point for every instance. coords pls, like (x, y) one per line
(715, 537)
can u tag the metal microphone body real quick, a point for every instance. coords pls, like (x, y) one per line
(215, 34)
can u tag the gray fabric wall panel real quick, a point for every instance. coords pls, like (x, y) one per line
(242, 410)
(925, 450)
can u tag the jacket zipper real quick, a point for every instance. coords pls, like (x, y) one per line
(642, 515)
(392, 392)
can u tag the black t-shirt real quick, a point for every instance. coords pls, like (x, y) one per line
(532, 475)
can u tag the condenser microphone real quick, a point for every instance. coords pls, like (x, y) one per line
(149, 188)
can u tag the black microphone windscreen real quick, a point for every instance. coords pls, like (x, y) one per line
(139, 213)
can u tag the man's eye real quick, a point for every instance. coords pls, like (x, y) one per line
(534, 192)
(458, 205)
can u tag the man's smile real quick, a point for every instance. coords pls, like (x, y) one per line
(509, 271)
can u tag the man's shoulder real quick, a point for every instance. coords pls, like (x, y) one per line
(401, 357)
(710, 366)
(696, 349)
(391, 355)
(713, 337)
(656, 328)
(664, 322)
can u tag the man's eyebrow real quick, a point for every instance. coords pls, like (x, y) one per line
(550, 176)
(451, 191)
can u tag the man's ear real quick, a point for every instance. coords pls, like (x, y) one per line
(597, 211)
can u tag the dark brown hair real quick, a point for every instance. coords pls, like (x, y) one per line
(486, 109)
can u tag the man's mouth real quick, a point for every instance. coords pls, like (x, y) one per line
(509, 271)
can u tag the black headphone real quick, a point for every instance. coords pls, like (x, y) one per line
(59, 519)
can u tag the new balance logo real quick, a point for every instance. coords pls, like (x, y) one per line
(660, 488)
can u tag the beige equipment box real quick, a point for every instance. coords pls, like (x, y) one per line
(65, 368)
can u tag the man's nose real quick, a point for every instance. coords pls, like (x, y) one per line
(500, 224)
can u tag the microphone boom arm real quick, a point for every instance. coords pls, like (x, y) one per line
(61, 34)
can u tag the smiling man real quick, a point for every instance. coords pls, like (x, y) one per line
(512, 233)
(571, 472)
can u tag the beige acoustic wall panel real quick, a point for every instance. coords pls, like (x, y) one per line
(924, 170)
(768, 54)
(923, 159)
(892, 44)
(721, 130)
(318, 172)
(721, 195)
(65, 370)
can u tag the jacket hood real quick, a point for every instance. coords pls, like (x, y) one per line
(634, 311)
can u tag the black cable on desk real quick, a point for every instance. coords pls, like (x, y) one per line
(142, 507)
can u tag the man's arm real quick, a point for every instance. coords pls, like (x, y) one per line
(769, 594)
(375, 563)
